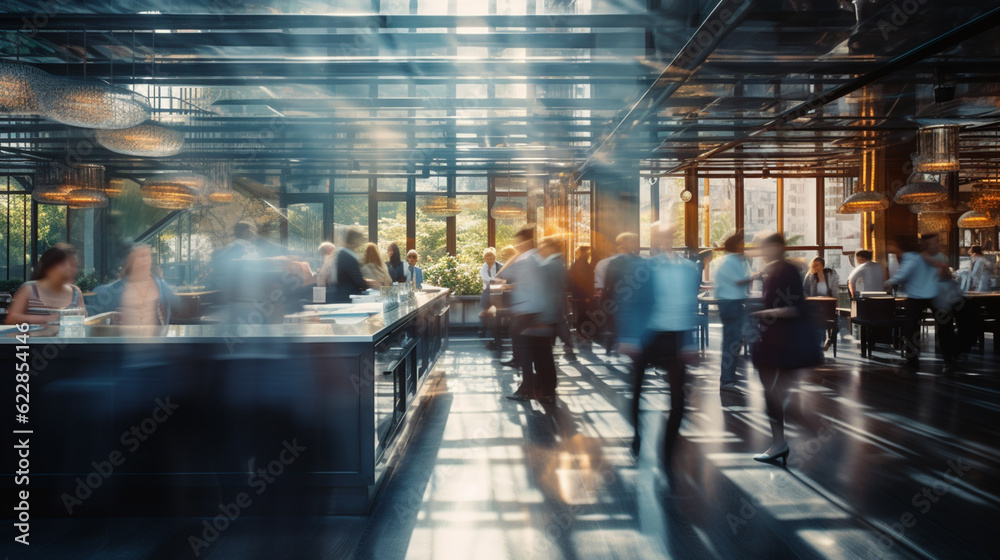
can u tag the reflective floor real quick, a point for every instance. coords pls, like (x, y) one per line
(884, 464)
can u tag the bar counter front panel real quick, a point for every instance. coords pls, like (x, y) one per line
(300, 418)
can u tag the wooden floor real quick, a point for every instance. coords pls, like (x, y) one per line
(884, 464)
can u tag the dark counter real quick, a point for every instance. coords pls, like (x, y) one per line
(182, 424)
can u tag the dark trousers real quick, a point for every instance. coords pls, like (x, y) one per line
(580, 307)
(733, 318)
(520, 345)
(776, 384)
(663, 351)
(562, 333)
(544, 380)
(912, 315)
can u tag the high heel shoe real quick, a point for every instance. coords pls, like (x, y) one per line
(773, 458)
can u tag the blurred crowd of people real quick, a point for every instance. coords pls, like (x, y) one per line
(648, 309)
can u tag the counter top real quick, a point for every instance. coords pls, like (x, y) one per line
(325, 330)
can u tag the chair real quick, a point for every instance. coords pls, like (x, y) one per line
(871, 313)
(5, 300)
(825, 309)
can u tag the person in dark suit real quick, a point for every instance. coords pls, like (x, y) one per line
(581, 285)
(552, 275)
(348, 270)
(615, 285)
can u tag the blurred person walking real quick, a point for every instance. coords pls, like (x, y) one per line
(788, 341)
(918, 275)
(348, 278)
(732, 288)
(657, 315)
(525, 308)
(612, 288)
(581, 286)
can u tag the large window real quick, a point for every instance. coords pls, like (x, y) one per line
(800, 211)
(432, 233)
(471, 228)
(840, 229)
(672, 206)
(760, 207)
(16, 226)
(716, 211)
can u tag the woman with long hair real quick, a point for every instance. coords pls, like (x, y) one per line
(373, 269)
(139, 295)
(51, 288)
(397, 269)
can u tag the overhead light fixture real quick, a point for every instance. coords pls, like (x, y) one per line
(115, 187)
(86, 198)
(169, 196)
(145, 140)
(865, 197)
(220, 189)
(933, 222)
(937, 147)
(173, 191)
(921, 188)
(985, 197)
(975, 220)
(508, 210)
(441, 206)
(19, 85)
(222, 197)
(70, 186)
(91, 104)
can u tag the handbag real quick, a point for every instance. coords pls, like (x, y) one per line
(790, 343)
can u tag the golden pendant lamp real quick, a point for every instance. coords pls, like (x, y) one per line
(865, 198)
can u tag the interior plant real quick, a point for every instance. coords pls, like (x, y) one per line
(461, 278)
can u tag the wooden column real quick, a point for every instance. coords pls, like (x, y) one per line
(691, 207)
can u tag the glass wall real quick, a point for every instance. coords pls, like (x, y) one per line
(16, 225)
(800, 211)
(840, 229)
(716, 211)
(672, 206)
(760, 207)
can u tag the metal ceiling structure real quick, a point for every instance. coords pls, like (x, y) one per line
(439, 87)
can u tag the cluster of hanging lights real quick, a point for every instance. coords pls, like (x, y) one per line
(78, 186)
(25, 90)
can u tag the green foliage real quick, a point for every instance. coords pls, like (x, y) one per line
(87, 282)
(461, 278)
(10, 286)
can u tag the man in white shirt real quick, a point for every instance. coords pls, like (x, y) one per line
(867, 276)
(982, 272)
(525, 307)
(732, 287)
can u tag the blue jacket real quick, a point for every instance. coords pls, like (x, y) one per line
(109, 298)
